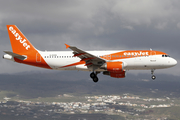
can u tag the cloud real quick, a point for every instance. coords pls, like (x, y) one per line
(178, 25)
(93, 25)
(129, 27)
(147, 12)
(161, 26)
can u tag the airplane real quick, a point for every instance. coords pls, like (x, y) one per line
(113, 63)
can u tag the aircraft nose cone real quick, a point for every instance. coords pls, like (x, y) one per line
(173, 62)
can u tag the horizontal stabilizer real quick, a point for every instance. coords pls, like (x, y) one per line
(15, 55)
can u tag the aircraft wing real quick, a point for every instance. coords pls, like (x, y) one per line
(15, 55)
(91, 60)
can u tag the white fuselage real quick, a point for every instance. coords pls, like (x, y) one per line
(57, 59)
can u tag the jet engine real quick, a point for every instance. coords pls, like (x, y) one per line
(114, 69)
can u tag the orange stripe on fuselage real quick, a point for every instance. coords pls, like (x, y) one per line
(124, 55)
(131, 54)
(32, 60)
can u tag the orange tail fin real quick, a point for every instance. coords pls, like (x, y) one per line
(19, 42)
(22, 47)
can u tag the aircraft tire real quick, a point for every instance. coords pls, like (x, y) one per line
(95, 79)
(92, 75)
(153, 77)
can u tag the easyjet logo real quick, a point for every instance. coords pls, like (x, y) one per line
(136, 53)
(18, 37)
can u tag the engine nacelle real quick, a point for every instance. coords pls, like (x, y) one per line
(114, 67)
(118, 75)
(121, 74)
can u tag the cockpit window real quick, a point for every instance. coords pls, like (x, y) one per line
(165, 56)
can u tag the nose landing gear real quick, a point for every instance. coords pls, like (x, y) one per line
(153, 76)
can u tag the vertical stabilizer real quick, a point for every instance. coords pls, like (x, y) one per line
(19, 42)
(23, 51)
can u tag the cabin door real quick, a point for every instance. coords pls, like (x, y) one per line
(38, 57)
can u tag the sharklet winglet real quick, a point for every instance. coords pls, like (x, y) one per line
(67, 46)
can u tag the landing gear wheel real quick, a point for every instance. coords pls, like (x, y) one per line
(153, 77)
(94, 77)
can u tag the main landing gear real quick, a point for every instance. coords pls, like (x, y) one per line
(153, 76)
(94, 76)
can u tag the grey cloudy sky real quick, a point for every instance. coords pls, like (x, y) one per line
(93, 25)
